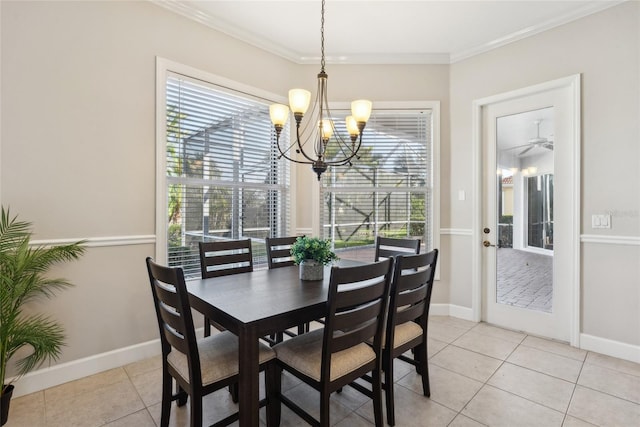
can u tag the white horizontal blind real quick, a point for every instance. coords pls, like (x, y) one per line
(389, 190)
(224, 178)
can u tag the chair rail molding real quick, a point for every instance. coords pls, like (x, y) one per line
(94, 242)
(610, 240)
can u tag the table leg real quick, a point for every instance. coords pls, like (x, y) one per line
(249, 383)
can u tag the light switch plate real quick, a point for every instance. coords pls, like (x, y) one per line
(601, 221)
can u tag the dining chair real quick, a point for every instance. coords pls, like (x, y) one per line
(407, 320)
(329, 358)
(199, 367)
(279, 251)
(387, 247)
(279, 255)
(221, 258)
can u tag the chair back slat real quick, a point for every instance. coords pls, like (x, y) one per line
(388, 247)
(411, 289)
(279, 251)
(356, 307)
(355, 296)
(409, 314)
(173, 312)
(224, 257)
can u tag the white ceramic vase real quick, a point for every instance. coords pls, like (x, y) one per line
(311, 270)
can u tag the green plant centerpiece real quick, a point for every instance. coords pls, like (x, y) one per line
(23, 279)
(312, 254)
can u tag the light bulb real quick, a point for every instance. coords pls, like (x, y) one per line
(299, 100)
(361, 110)
(279, 114)
(352, 126)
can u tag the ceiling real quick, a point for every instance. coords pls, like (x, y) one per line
(383, 32)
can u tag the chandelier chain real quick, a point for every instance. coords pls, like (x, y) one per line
(322, 39)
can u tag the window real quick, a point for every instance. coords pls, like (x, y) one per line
(389, 191)
(223, 177)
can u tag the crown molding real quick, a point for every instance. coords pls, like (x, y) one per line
(535, 29)
(231, 30)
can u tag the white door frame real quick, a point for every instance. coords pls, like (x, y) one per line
(572, 83)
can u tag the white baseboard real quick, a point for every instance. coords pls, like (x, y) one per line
(452, 310)
(70, 371)
(610, 348)
(460, 312)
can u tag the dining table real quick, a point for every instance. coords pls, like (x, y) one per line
(256, 304)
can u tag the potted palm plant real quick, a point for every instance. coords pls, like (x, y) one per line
(312, 254)
(23, 279)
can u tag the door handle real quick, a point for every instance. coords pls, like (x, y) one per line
(486, 244)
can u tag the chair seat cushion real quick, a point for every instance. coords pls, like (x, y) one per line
(304, 354)
(218, 357)
(403, 334)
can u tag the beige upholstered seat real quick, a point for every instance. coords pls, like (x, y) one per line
(218, 357)
(305, 355)
(328, 359)
(403, 334)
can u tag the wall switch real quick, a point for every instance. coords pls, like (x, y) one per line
(601, 221)
(461, 195)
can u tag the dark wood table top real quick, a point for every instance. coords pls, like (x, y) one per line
(258, 296)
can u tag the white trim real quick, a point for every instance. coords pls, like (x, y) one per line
(438, 309)
(452, 310)
(609, 347)
(434, 107)
(610, 240)
(163, 68)
(95, 242)
(263, 43)
(456, 231)
(76, 369)
(460, 312)
(557, 21)
(572, 83)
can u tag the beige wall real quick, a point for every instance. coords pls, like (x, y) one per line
(78, 142)
(78, 139)
(608, 60)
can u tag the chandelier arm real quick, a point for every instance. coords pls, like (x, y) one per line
(283, 153)
(348, 158)
(300, 149)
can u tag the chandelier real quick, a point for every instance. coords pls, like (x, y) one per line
(319, 131)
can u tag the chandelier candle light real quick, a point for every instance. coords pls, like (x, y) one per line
(322, 135)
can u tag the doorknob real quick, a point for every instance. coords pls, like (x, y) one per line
(486, 244)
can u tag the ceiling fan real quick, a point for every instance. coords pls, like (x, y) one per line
(537, 141)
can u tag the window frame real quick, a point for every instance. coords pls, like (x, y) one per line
(164, 68)
(434, 107)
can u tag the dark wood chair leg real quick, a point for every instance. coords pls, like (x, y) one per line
(207, 327)
(273, 377)
(167, 384)
(182, 396)
(324, 409)
(421, 355)
(376, 388)
(388, 390)
(196, 410)
(233, 389)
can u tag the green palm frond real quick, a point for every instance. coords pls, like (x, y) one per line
(43, 338)
(23, 277)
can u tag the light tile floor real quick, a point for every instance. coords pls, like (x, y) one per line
(480, 375)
